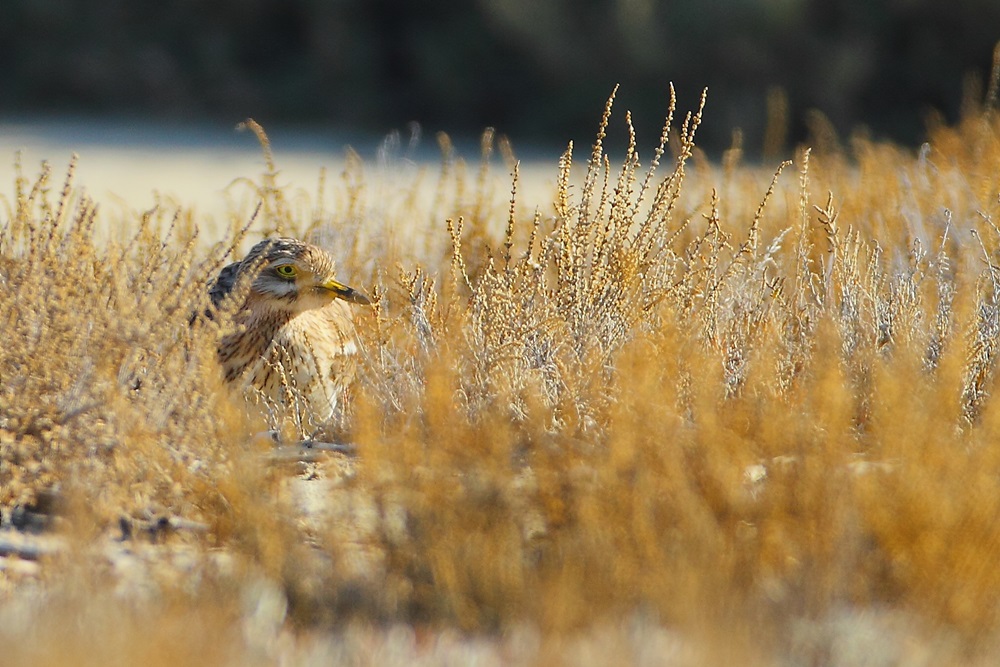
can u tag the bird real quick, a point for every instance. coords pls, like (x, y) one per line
(293, 342)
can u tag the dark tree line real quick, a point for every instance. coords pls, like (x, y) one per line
(538, 71)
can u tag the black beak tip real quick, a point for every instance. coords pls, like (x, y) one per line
(357, 297)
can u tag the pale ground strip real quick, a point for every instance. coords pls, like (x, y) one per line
(127, 170)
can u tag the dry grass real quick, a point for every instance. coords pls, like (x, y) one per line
(683, 412)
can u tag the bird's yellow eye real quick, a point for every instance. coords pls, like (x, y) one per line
(286, 271)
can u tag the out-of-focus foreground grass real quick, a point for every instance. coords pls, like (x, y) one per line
(675, 410)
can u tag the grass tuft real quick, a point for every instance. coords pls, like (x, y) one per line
(751, 408)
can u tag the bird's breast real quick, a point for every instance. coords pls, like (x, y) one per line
(312, 349)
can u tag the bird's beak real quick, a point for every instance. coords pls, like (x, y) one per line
(344, 292)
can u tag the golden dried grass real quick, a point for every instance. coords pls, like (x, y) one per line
(729, 400)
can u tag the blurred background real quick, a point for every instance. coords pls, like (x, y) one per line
(537, 70)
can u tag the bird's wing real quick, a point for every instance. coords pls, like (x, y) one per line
(223, 285)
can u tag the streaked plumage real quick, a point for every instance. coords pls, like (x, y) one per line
(294, 343)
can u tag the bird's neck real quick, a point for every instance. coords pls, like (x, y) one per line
(266, 320)
(255, 329)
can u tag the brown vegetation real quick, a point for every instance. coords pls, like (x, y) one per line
(728, 404)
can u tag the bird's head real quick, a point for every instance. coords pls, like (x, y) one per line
(296, 276)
